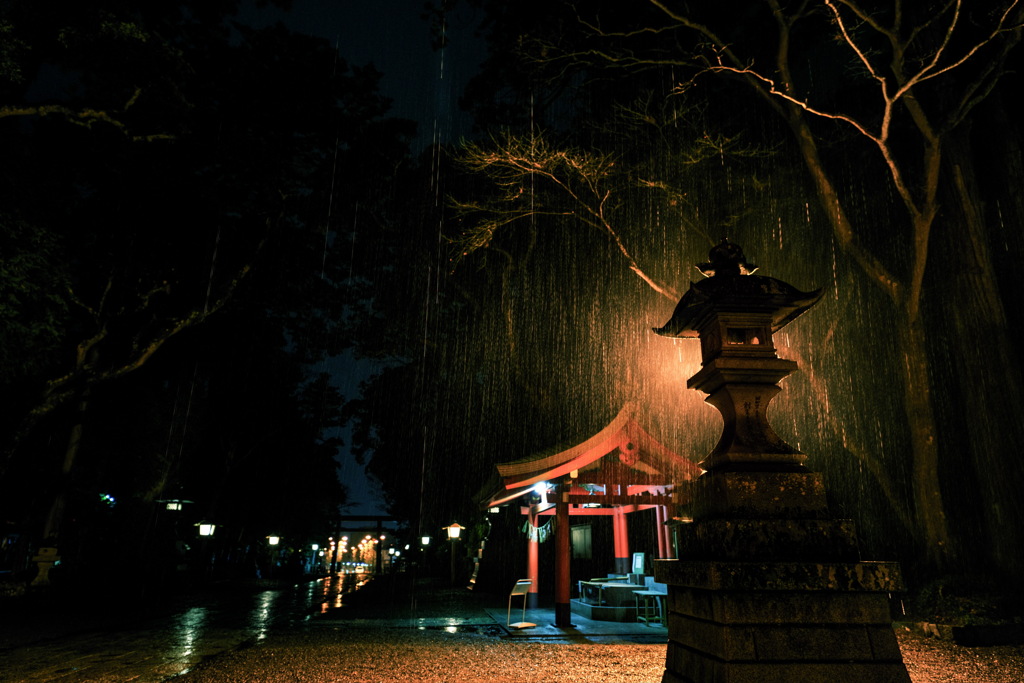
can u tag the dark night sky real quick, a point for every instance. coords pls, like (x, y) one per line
(424, 85)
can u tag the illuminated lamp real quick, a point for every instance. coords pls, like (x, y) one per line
(540, 489)
(206, 529)
(174, 504)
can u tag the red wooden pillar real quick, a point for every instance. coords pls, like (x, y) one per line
(562, 586)
(666, 530)
(620, 536)
(532, 563)
(659, 530)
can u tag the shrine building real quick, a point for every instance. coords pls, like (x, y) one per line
(618, 471)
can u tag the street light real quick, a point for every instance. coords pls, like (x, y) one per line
(454, 531)
(174, 504)
(206, 529)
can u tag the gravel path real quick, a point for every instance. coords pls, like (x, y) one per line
(930, 660)
(371, 655)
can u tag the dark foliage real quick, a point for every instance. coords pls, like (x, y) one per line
(174, 188)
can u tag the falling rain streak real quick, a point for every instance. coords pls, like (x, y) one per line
(559, 338)
(475, 295)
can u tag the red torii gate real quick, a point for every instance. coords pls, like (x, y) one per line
(619, 470)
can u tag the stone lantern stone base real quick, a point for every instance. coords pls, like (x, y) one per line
(769, 589)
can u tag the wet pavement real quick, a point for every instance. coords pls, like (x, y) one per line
(150, 641)
(394, 629)
(432, 606)
(147, 642)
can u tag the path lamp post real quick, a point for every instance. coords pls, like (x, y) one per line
(454, 531)
(424, 544)
(272, 547)
(205, 530)
(174, 511)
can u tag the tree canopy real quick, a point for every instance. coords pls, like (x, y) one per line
(175, 189)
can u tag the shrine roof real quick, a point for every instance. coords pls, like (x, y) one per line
(641, 458)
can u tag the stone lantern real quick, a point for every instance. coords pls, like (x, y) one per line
(734, 314)
(768, 587)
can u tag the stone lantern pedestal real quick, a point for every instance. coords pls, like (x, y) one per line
(45, 559)
(769, 586)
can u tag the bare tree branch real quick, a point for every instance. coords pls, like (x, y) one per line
(86, 117)
(514, 164)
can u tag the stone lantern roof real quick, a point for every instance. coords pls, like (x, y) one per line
(731, 286)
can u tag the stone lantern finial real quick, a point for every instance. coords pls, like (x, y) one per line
(726, 258)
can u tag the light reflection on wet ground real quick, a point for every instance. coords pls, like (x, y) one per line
(333, 590)
(160, 647)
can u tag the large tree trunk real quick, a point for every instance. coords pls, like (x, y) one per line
(933, 525)
(55, 517)
(932, 521)
(985, 357)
